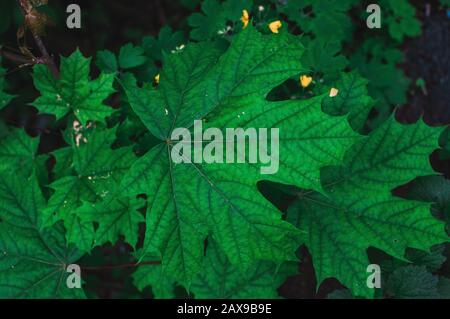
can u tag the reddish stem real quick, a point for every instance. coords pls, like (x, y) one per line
(46, 59)
(15, 57)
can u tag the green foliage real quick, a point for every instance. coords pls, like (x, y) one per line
(131, 56)
(208, 229)
(216, 86)
(434, 189)
(223, 280)
(215, 16)
(327, 26)
(32, 261)
(412, 282)
(18, 152)
(154, 277)
(324, 15)
(166, 41)
(358, 208)
(95, 172)
(353, 99)
(107, 61)
(73, 91)
(401, 19)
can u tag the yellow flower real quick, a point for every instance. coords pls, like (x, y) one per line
(333, 92)
(245, 18)
(274, 26)
(157, 78)
(305, 80)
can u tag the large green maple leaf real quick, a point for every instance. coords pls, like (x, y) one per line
(188, 202)
(357, 209)
(73, 91)
(32, 262)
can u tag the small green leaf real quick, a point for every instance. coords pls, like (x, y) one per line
(131, 56)
(106, 61)
(73, 91)
(214, 17)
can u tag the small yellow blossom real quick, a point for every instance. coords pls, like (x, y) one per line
(157, 78)
(274, 26)
(245, 18)
(305, 80)
(334, 92)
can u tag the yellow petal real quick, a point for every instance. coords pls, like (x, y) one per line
(245, 18)
(305, 80)
(274, 26)
(333, 92)
(157, 78)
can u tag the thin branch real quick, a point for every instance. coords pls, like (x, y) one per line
(161, 13)
(46, 59)
(16, 57)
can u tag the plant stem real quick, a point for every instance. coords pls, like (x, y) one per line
(15, 57)
(46, 59)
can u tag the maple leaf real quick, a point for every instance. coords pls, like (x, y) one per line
(223, 280)
(436, 190)
(153, 276)
(211, 227)
(412, 282)
(219, 279)
(357, 209)
(18, 152)
(96, 170)
(32, 262)
(116, 217)
(189, 201)
(73, 91)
